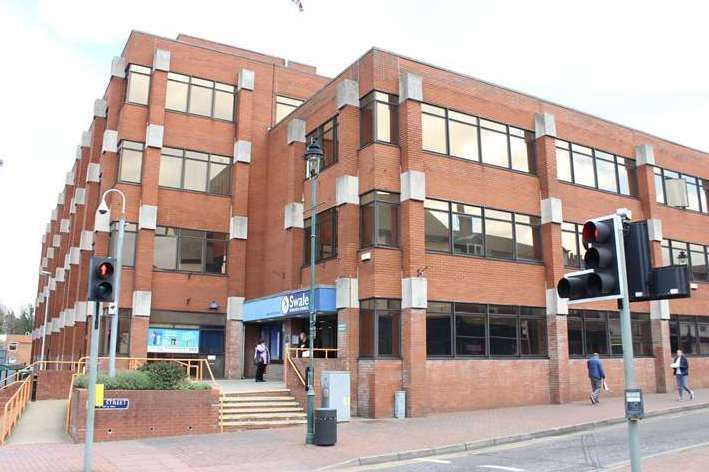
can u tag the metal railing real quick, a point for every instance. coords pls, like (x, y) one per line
(14, 407)
(35, 367)
(329, 353)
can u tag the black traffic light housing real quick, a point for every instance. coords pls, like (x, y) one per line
(601, 279)
(102, 279)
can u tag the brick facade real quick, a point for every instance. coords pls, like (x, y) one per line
(268, 258)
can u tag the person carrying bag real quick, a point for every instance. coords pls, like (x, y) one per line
(261, 358)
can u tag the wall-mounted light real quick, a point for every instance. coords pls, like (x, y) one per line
(213, 305)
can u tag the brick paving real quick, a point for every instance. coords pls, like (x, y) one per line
(688, 460)
(283, 449)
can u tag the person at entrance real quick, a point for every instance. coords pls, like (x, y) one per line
(261, 358)
(597, 377)
(303, 344)
(680, 367)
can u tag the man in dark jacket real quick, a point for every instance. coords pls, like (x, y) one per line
(596, 375)
(680, 367)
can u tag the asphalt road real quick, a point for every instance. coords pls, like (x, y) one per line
(599, 449)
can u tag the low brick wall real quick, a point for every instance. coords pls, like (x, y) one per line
(297, 389)
(580, 387)
(53, 384)
(151, 413)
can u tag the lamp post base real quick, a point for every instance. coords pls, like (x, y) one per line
(311, 413)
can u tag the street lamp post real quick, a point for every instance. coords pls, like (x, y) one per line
(313, 155)
(44, 326)
(103, 209)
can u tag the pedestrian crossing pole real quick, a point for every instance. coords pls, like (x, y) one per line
(91, 402)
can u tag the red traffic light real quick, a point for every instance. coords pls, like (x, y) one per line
(104, 270)
(595, 233)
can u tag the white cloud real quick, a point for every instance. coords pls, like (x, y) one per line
(640, 63)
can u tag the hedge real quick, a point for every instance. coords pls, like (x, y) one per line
(153, 376)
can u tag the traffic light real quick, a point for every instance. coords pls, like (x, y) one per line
(101, 279)
(601, 278)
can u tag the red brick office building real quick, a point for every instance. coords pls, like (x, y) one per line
(448, 208)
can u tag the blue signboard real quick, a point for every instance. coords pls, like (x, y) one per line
(184, 341)
(290, 304)
(116, 403)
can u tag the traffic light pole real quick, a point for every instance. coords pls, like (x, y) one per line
(114, 315)
(627, 340)
(91, 402)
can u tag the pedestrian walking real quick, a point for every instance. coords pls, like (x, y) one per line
(597, 377)
(261, 358)
(680, 368)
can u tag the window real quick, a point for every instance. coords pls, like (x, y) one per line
(592, 332)
(325, 236)
(380, 328)
(131, 161)
(379, 118)
(123, 339)
(478, 330)
(199, 97)
(693, 255)
(572, 245)
(12, 347)
(697, 189)
(594, 168)
(476, 139)
(138, 84)
(197, 171)
(129, 235)
(379, 219)
(326, 136)
(285, 105)
(478, 231)
(190, 250)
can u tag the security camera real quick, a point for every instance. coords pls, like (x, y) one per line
(103, 208)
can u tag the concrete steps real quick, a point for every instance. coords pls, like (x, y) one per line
(272, 408)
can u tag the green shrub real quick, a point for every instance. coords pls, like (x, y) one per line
(194, 386)
(131, 380)
(165, 375)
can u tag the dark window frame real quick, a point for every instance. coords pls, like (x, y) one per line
(130, 227)
(702, 185)
(477, 123)
(377, 204)
(306, 233)
(513, 222)
(670, 244)
(136, 146)
(393, 308)
(457, 309)
(171, 77)
(317, 134)
(184, 158)
(605, 316)
(138, 69)
(203, 257)
(277, 102)
(571, 148)
(578, 229)
(373, 98)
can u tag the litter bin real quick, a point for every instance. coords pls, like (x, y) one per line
(325, 427)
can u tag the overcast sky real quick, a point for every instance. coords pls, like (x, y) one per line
(643, 64)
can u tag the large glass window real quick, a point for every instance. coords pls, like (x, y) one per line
(325, 236)
(285, 105)
(379, 219)
(571, 244)
(380, 328)
(379, 118)
(326, 136)
(481, 231)
(190, 250)
(690, 333)
(129, 235)
(130, 165)
(682, 253)
(197, 171)
(138, 84)
(594, 168)
(478, 330)
(599, 332)
(476, 139)
(199, 97)
(123, 339)
(697, 189)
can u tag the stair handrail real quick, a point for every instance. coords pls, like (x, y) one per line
(33, 368)
(14, 407)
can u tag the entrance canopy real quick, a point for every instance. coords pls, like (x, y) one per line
(290, 304)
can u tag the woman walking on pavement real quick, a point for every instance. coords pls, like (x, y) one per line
(680, 367)
(261, 358)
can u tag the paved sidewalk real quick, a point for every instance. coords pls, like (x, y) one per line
(283, 449)
(694, 459)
